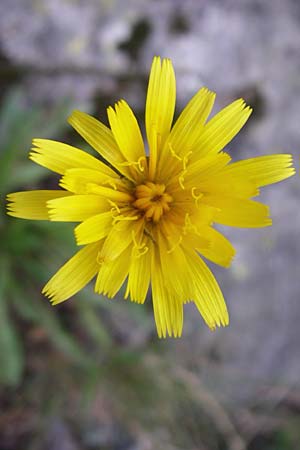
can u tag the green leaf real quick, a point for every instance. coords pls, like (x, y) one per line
(11, 352)
(91, 321)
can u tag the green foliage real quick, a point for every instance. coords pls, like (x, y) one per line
(25, 246)
(18, 125)
(21, 241)
(33, 250)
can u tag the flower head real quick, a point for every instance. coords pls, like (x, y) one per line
(148, 217)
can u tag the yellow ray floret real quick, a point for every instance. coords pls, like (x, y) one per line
(80, 180)
(60, 157)
(187, 129)
(167, 308)
(128, 136)
(139, 274)
(220, 251)
(76, 208)
(222, 128)
(100, 138)
(263, 170)
(236, 212)
(32, 204)
(74, 275)
(208, 296)
(146, 220)
(94, 228)
(160, 106)
(112, 274)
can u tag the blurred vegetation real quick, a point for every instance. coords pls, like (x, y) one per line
(21, 241)
(31, 251)
(90, 373)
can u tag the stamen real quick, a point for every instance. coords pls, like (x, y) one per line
(111, 183)
(140, 163)
(186, 158)
(141, 166)
(142, 251)
(114, 206)
(189, 226)
(100, 259)
(171, 250)
(184, 161)
(138, 249)
(181, 179)
(173, 153)
(119, 218)
(195, 196)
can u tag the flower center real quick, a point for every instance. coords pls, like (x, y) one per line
(153, 200)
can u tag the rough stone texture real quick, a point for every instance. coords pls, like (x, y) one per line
(236, 47)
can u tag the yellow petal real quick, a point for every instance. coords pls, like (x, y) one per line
(100, 138)
(78, 180)
(204, 168)
(94, 228)
(112, 274)
(32, 204)
(189, 124)
(111, 194)
(76, 208)
(208, 297)
(139, 272)
(186, 217)
(167, 308)
(171, 258)
(160, 105)
(119, 238)
(220, 251)
(194, 240)
(237, 212)
(225, 183)
(222, 128)
(186, 131)
(127, 135)
(73, 275)
(59, 157)
(202, 215)
(263, 170)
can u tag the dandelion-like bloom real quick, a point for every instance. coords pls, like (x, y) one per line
(148, 217)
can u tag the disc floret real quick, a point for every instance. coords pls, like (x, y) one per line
(153, 200)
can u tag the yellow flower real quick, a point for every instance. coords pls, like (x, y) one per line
(148, 219)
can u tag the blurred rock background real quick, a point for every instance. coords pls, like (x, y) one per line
(91, 374)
